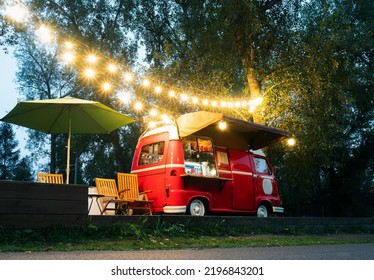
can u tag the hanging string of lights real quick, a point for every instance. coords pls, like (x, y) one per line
(95, 61)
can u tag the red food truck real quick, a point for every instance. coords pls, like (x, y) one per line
(208, 163)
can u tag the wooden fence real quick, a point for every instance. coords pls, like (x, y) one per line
(37, 205)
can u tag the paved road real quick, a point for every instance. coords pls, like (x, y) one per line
(319, 252)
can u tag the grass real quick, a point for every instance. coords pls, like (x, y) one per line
(145, 236)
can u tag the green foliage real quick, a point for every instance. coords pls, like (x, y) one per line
(311, 61)
(12, 166)
(164, 235)
(102, 26)
(330, 171)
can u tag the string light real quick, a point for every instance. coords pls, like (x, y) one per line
(89, 73)
(291, 141)
(107, 86)
(68, 57)
(158, 89)
(153, 113)
(69, 45)
(91, 58)
(128, 77)
(124, 97)
(18, 13)
(222, 125)
(184, 97)
(146, 82)
(44, 34)
(112, 68)
(171, 93)
(138, 106)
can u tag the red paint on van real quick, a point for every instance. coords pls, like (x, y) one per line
(194, 175)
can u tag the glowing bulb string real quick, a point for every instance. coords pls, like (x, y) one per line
(127, 76)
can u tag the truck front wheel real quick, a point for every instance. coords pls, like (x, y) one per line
(262, 211)
(196, 208)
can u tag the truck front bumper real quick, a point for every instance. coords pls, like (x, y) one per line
(175, 209)
(278, 209)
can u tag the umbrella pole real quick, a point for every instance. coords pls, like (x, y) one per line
(68, 152)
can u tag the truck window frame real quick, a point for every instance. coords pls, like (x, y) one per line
(259, 167)
(155, 148)
(196, 151)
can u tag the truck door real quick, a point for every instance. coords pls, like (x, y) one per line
(150, 164)
(243, 189)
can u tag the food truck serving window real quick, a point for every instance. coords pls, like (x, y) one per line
(152, 153)
(199, 156)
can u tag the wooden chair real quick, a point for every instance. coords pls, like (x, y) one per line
(129, 189)
(108, 188)
(50, 178)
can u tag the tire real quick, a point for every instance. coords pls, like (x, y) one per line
(196, 208)
(262, 211)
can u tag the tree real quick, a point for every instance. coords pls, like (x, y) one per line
(9, 155)
(96, 25)
(331, 113)
(11, 166)
(219, 48)
(40, 76)
(23, 171)
(312, 64)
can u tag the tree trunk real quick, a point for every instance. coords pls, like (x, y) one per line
(253, 84)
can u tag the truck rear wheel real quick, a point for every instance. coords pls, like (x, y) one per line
(196, 208)
(262, 211)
